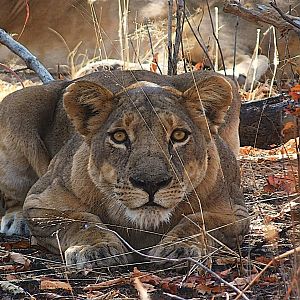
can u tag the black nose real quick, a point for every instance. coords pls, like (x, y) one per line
(151, 187)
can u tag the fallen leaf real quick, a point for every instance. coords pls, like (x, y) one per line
(271, 233)
(54, 285)
(263, 259)
(271, 279)
(295, 92)
(225, 273)
(15, 245)
(226, 261)
(169, 287)
(203, 288)
(243, 281)
(153, 65)
(106, 284)
(199, 66)
(11, 277)
(284, 183)
(20, 259)
(146, 278)
(288, 129)
(8, 268)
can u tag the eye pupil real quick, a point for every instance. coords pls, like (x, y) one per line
(179, 136)
(119, 136)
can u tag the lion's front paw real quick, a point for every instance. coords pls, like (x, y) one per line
(98, 255)
(14, 223)
(176, 251)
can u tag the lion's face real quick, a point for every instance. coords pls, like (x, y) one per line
(149, 152)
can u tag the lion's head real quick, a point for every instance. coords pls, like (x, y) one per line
(149, 145)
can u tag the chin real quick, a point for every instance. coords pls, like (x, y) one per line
(148, 218)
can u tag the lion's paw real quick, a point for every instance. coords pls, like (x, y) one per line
(98, 255)
(14, 223)
(176, 251)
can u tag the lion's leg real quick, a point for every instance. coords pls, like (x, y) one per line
(189, 238)
(58, 220)
(16, 178)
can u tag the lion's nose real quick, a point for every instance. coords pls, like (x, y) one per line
(150, 187)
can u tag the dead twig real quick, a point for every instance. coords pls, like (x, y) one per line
(170, 46)
(29, 59)
(151, 46)
(215, 36)
(285, 16)
(178, 36)
(201, 44)
(262, 14)
(9, 70)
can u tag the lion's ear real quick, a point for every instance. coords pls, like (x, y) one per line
(212, 95)
(87, 105)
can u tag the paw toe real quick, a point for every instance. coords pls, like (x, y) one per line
(14, 223)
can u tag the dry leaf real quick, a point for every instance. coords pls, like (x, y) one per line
(24, 262)
(271, 279)
(146, 278)
(271, 233)
(11, 277)
(288, 129)
(243, 281)
(54, 285)
(169, 287)
(295, 92)
(284, 183)
(106, 284)
(7, 268)
(263, 259)
(199, 66)
(226, 261)
(153, 65)
(15, 245)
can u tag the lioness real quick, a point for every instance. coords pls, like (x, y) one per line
(136, 152)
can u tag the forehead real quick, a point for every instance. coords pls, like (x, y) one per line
(146, 101)
(149, 98)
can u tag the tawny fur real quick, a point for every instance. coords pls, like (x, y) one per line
(94, 182)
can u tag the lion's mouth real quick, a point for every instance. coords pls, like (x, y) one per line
(152, 204)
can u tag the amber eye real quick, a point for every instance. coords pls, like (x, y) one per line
(179, 135)
(119, 136)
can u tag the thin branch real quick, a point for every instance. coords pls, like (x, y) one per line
(235, 43)
(203, 47)
(29, 59)
(170, 14)
(9, 70)
(216, 38)
(151, 46)
(178, 36)
(285, 16)
(262, 14)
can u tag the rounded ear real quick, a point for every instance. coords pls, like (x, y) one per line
(87, 105)
(210, 96)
